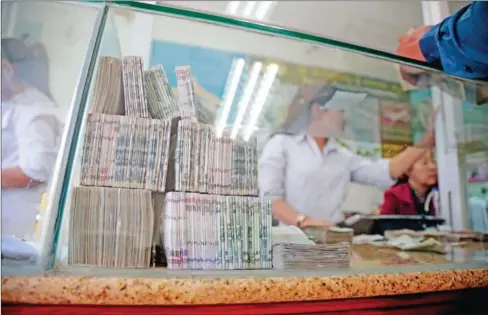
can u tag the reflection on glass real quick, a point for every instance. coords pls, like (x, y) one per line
(39, 76)
(31, 132)
(183, 163)
(474, 156)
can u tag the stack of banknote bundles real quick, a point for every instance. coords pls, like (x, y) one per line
(302, 256)
(217, 232)
(336, 235)
(124, 162)
(125, 152)
(193, 192)
(108, 92)
(214, 220)
(111, 227)
(202, 162)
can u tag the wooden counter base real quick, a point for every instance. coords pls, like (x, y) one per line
(56, 289)
(453, 302)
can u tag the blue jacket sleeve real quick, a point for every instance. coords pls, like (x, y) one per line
(460, 42)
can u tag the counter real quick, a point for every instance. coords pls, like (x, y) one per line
(376, 272)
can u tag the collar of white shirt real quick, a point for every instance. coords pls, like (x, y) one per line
(331, 146)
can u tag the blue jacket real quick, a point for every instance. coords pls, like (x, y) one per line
(459, 44)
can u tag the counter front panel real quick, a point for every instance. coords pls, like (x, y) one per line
(184, 144)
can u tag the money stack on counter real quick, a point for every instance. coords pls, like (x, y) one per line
(332, 235)
(205, 163)
(124, 163)
(302, 256)
(217, 232)
(111, 227)
(214, 220)
(211, 219)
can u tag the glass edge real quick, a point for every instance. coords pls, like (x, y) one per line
(205, 17)
(87, 3)
(282, 32)
(85, 85)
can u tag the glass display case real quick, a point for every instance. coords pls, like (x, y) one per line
(189, 135)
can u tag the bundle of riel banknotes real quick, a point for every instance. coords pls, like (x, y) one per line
(161, 101)
(108, 91)
(125, 152)
(133, 79)
(332, 235)
(203, 162)
(217, 232)
(123, 88)
(111, 227)
(305, 256)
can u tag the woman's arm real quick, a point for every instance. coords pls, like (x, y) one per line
(402, 162)
(383, 172)
(14, 177)
(36, 135)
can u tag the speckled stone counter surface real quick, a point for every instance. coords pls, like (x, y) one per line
(401, 273)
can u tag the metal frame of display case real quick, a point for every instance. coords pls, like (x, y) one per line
(64, 162)
(63, 169)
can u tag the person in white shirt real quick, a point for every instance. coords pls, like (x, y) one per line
(31, 130)
(305, 172)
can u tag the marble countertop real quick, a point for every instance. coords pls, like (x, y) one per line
(374, 272)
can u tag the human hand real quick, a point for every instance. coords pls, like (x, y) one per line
(408, 44)
(428, 141)
(309, 222)
(409, 47)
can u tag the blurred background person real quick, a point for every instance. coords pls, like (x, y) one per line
(306, 172)
(31, 131)
(410, 195)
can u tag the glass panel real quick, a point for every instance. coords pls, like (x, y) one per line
(375, 24)
(175, 154)
(43, 50)
(474, 159)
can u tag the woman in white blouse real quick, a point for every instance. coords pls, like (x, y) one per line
(30, 134)
(306, 173)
